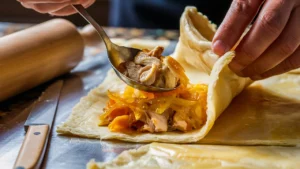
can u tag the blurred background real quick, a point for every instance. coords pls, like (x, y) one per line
(163, 14)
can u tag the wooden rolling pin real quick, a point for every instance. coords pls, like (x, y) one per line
(33, 56)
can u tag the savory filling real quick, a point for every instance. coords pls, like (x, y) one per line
(183, 109)
(148, 68)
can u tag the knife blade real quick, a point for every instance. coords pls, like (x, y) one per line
(37, 127)
(45, 108)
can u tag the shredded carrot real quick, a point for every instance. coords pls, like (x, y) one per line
(120, 124)
(110, 103)
(118, 112)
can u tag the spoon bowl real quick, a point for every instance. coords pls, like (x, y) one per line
(118, 54)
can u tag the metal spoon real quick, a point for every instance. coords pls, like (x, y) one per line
(118, 54)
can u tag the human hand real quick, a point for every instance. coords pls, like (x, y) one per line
(271, 47)
(55, 7)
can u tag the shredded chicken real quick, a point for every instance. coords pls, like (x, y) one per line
(160, 122)
(148, 74)
(131, 70)
(154, 122)
(148, 68)
(145, 59)
(170, 80)
(180, 122)
(156, 52)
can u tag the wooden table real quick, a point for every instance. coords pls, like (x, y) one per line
(65, 152)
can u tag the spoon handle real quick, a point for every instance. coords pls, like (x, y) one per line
(80, 9)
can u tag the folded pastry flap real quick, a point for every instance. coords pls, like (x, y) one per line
(194, 46)
(196, 25)
(159, 155)
(265, 113)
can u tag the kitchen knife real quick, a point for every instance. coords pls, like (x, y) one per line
(38, 127)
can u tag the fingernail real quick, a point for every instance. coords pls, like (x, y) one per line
(219, 47)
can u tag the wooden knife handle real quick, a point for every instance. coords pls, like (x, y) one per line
(31, 152)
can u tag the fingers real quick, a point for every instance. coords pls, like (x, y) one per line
(267, 27)
(292, 62)
(238, 17)
(70, 10)
(282, 48)
(44, 1)
(26, 5)
(55, 7)
(46, 8)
